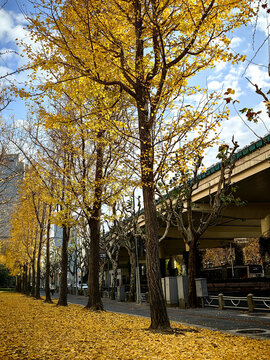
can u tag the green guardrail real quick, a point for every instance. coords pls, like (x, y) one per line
(240, 154)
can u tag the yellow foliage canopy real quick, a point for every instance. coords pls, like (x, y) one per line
(148, 50)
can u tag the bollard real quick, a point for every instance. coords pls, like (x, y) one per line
(220, 302)
(250, 302)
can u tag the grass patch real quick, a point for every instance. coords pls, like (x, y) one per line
(7, 289)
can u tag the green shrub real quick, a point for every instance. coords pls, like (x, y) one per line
(6, 280)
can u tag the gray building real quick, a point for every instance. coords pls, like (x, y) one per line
(11, 174)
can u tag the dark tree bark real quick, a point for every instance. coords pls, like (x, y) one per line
(18, 283)
(158, 310)
(192, 273)
(33, 277)
(37, 295)
(94, 299)
(24, 287)
(159, 316)
(48, 263)
(39, 206)
(29, 276)
(101, 273)
(132, 259)
(64, 267)
(114, 279)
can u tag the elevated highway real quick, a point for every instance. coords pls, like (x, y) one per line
(251, 176)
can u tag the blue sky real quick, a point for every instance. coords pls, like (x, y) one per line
(222, 77)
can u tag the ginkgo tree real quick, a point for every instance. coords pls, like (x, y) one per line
(23, 249)
(94, 164)
(45, 183)
(147, 49)
(33, 188)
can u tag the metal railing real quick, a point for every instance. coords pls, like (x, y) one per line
(248, 302)
(211, 301)
(265, 302)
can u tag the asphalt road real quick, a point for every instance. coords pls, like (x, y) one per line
(236, 322)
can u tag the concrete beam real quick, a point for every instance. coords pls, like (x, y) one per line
(224, 232)
(251, 164)
(265, 225)
(177, 246)
(249, 211)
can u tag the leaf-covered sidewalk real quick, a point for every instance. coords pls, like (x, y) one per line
(31, 329)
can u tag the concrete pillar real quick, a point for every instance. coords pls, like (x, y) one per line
(250, 302)
(182, 285)
(220, 302)
(265, 225)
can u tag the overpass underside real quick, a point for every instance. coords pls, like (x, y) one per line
(252, 179)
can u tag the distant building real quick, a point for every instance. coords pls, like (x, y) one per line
(11, 174)
(76, 257)
(57, 235)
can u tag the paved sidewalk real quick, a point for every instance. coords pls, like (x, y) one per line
(236, 322)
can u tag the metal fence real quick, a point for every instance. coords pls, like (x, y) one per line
(249, 302)
(261, 303)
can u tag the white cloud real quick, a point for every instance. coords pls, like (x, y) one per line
(6, 54)
(20, 18)
(6, 24)
(244, 131)
(230, 80)
(20, 123)
(220, 66)
(214, 85)
(236, 42)
(258, 75)
(12, 29)
(262, 22)
(10, 26)
(4, 70)
(233, 127)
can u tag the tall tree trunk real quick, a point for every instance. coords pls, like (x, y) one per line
(18, 283)
(101, 273)
(94, 299)
(48, 264)
(64, 268)
(38, 265)
(114, 279)
(158, 310)
(132, 259)
(28, 281)
(24, 279)
(192, 272)
(33, 288)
